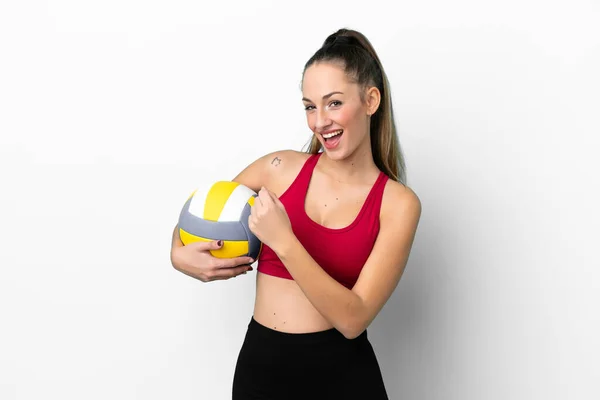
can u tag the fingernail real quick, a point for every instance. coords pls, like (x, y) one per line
(220, 243)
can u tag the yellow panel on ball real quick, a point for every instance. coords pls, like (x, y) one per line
(220, 211)
(217, 197)
(230, 248)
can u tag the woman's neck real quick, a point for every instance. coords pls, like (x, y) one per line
(358, 167)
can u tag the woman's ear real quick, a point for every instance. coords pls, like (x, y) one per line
(373, 99)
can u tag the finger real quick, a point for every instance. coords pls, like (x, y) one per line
(258, 201)
(224, 274)
(210, 245)
(232, 263)
(263, 195)
(273, 197)
(275, 200)
(252, 224)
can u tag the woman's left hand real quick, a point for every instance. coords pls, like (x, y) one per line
(268, 220)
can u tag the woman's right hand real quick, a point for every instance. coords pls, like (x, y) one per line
(195, 260)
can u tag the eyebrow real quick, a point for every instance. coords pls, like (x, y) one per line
(324, 97)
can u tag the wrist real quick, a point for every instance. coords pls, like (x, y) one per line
(286, 245)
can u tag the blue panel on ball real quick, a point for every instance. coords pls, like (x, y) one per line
(254, 244)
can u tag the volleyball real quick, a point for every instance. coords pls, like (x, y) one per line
(220, 211)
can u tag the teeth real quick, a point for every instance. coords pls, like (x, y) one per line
(332, 134)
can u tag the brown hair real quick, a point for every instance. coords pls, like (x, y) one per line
(362, 65)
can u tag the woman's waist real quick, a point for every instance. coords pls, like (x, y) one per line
(281, 305)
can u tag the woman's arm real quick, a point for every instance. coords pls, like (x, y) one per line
(352, 311)
(195, 260)
(266, 169)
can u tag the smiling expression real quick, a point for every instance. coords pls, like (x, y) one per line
(334, 110)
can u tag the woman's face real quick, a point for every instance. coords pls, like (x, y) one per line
(333, 105)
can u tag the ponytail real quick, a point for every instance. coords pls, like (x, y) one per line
(362, 65)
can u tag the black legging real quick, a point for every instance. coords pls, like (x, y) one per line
(274, 365)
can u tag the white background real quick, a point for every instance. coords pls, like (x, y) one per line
(112, 112)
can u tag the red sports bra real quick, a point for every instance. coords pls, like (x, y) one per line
(340, 252)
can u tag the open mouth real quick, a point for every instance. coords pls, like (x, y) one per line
(332, 138)
(334, 134)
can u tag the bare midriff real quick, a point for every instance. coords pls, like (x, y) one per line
(281, 305)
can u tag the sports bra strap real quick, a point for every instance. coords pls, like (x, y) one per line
(299, 186)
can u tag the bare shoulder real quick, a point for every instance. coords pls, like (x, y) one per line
(284, 166)
(400, 203)
(272, 170)
(286, 159)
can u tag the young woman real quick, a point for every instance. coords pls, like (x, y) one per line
(337, 225)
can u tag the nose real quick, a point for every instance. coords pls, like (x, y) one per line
(322, 120)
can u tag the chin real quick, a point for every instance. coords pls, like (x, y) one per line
(338, 154)
(335, 155)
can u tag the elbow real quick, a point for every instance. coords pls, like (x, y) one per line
(355, 321)
(353, 329)
(353, 333)
(350, 335)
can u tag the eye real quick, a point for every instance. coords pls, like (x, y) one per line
(336, 102)
(306, 108)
